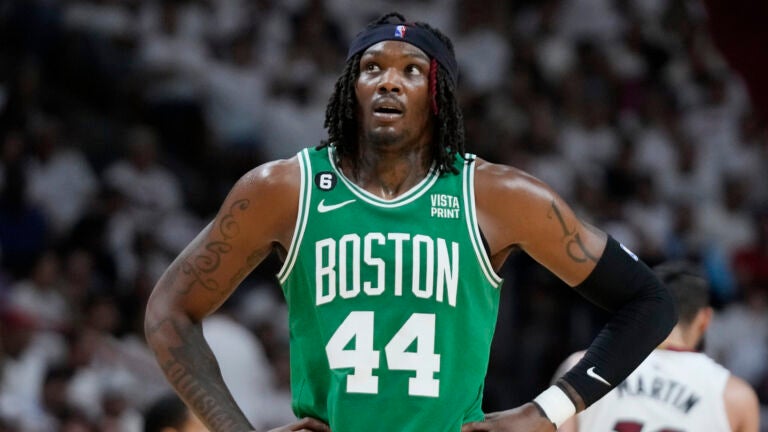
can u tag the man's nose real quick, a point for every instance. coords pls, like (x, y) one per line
(390, 81)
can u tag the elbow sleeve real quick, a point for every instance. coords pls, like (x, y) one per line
(644, 313)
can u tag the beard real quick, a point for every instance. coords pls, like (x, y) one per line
(384, 137)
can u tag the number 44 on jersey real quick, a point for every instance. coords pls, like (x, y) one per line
(363, 359)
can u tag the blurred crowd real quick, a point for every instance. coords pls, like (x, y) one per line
(123, 123)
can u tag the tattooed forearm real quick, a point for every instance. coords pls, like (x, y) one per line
(193, 371)
(172, 325)
(208, 262)
(574, 246)
(150, 330)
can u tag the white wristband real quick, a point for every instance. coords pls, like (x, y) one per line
(557, 406)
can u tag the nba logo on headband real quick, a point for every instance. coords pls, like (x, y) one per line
(419, 37)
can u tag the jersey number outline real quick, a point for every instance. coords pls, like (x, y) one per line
(358, 325)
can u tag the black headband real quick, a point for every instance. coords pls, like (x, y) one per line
(416, 36)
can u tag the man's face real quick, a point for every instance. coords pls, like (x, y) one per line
(393, 93)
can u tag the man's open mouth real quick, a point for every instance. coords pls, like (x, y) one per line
(388, 110)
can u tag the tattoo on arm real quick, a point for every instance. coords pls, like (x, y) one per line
(229, 228)
(193, 371)
(199, 266)
(251, 262)
(151, 330)
(574, 246)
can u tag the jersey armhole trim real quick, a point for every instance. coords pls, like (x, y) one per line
(472, 225)
(305, 193)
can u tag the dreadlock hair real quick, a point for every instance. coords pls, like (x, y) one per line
(341, 111)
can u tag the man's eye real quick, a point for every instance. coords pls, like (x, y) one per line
(371, 67)
(413, 69)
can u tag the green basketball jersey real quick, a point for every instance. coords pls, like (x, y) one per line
(392, 303)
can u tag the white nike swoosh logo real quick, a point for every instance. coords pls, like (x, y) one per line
(592, 374)
(323, 208)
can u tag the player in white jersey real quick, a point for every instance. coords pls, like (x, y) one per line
(676, 389)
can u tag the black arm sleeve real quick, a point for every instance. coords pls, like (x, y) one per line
(644, 313)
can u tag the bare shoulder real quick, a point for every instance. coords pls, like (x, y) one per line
(277, 181)
(742, 405)
(510, 200)
(492, 178)
(269, 193)
(281, 174)
(739, 391)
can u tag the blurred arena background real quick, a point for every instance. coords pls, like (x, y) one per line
(123, 123)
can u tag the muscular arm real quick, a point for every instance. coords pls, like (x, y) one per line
(257, 216)
(742, 406)
(517, 210)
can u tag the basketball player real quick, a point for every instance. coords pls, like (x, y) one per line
(391, 236)
(676, 388)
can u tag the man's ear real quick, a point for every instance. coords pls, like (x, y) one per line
(703, 319)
